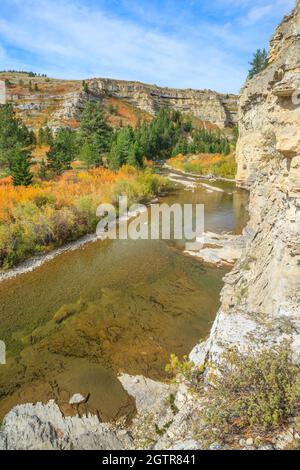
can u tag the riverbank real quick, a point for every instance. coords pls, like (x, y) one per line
(108, 300)
(199, 176)
(135, 312)
(37, 220)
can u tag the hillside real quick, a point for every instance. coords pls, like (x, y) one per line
(42, 101)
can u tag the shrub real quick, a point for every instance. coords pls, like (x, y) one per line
(48, 214)
(255, 393)
(184, 370)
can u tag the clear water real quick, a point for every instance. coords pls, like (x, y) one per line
(76, 322)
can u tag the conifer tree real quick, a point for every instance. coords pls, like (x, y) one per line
(21, 167)
(88, 154)
(62, 151)
(13, 133)
(259, 63)
(95, 130)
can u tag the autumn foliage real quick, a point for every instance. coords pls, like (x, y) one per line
(50, 213)
(205, 164)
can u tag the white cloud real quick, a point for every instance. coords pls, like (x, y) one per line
(257, 13)
(69, 40)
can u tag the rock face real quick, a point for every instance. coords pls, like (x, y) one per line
(207, 105)
(261, 300)
(43, 427)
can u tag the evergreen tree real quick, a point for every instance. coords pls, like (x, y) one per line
(95, 130)
(48, 136)
(13, 133)
(259, 63)
(21, 172)
(62, 151)
(43, 170)
(88, 154)
(135, 155)
(119, 152)
(41, 136)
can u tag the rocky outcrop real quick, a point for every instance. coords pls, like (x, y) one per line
(207, 105)
(261, 298)
(43, 427)
(261, 301)
(220, 249)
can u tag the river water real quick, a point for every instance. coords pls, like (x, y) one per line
(111, 307)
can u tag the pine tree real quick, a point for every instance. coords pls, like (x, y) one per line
(13, 133)
(43, 170)
(21, 172)
(41, 136)
(259, 63)
(135, 155)
(62, 151)
(119, 152)
(95, 130)
(88, 154)
(48, 136)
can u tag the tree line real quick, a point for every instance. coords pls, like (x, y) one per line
(96, 143)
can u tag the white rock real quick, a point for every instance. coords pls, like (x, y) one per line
(77, 399)
(43, 427)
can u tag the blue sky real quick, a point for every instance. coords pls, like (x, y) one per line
(175, 43)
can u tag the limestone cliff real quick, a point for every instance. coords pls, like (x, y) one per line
(261, 297)
(206, 105)
(42, 101)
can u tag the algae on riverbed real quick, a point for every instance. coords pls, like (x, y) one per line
(115, 306)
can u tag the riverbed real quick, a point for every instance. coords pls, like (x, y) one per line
(110, 307)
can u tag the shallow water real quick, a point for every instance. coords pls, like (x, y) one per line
(109, 307)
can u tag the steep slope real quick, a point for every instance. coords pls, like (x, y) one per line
(261, 300)
(206, 105)
(42, 101)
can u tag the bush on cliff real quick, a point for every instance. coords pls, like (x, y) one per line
(254, 393)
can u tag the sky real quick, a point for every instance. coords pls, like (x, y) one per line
(176, 43)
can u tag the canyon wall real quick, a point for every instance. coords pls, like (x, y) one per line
(206, 105)
(261, 298)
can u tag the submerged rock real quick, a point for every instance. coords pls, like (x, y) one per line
(77, 399)
(220, 249)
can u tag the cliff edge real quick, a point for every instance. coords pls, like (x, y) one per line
(260, 301)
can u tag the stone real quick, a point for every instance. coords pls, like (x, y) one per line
(77, 399)
(266, 447)
(206, 105)
(149, 395)
(43, 427)
(215, 446)
(249, 441)
(220, 249)
(186, 445)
